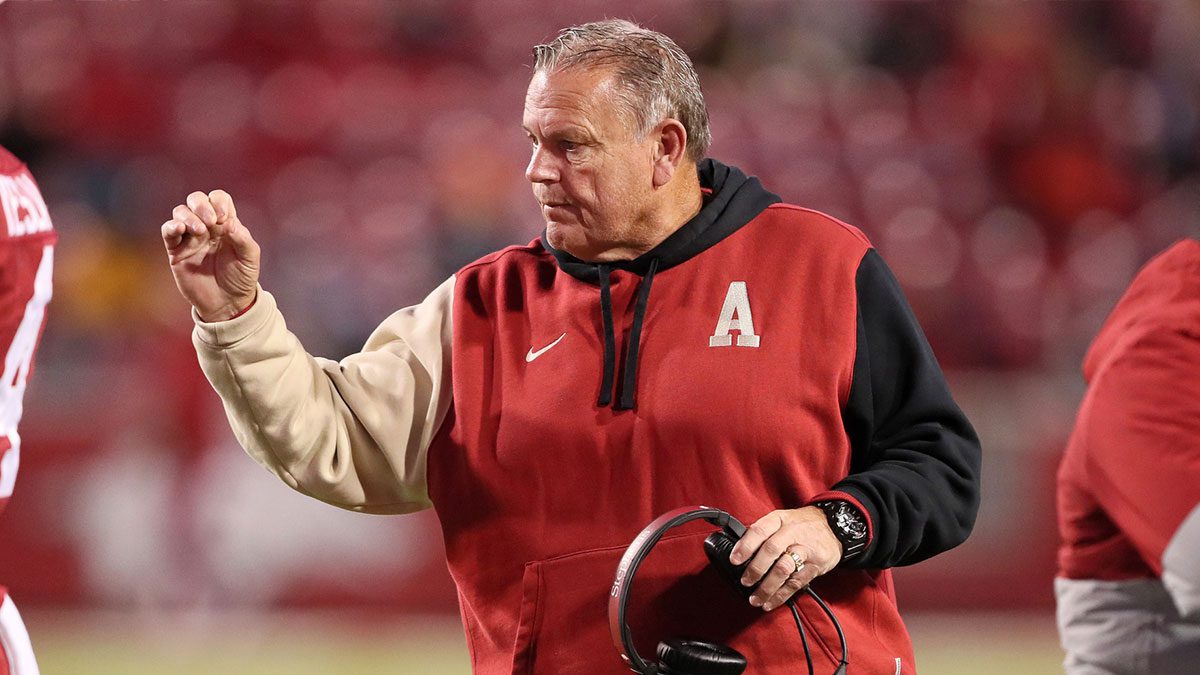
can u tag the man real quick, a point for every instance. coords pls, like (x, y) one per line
(26, 267)
(676, 336)
(1128, 581)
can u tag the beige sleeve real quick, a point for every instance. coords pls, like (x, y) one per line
(353, 433)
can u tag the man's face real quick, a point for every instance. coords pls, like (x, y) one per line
(591, 176)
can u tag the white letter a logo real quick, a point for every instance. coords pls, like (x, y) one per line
(736, 303)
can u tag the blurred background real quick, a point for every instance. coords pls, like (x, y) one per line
(1014, 162)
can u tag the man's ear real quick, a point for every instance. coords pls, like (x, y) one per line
(670, 150)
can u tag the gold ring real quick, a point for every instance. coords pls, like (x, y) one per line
(796, 559)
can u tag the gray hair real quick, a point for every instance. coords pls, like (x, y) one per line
(655, 78)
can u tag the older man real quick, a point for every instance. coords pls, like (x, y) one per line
(676, 336)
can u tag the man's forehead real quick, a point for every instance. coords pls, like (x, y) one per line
(577, 86)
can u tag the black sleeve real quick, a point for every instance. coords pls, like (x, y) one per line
(915, 458)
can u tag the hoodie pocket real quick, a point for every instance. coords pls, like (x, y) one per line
(563, 624)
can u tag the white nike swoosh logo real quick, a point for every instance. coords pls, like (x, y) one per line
(533, 355)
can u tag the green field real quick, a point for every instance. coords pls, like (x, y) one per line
(251, 644)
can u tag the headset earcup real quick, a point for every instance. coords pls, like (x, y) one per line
(718, 546)
(692, 657)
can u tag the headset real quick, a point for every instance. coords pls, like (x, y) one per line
(693, 657)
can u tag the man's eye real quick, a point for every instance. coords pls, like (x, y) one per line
(533, 142)
(568, 146)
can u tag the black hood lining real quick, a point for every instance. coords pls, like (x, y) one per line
(735, 200)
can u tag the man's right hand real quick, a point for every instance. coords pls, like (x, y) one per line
(214, 259)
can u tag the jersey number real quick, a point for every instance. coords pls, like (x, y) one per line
(16, 369)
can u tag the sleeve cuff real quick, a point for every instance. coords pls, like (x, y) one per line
(231, 331)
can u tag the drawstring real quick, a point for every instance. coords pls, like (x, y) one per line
(629, 379)
(629, 376)
(606, 385)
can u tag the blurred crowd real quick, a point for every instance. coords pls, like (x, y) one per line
(1014, 162)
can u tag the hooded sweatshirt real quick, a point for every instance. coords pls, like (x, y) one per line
(761, 357)
(1128, 582)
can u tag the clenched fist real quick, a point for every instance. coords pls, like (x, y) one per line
(214, 259)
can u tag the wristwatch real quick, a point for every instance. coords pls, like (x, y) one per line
(849, 525)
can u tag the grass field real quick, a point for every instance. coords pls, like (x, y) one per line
(986, 644)
(312, 644)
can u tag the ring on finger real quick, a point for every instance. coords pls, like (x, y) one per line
(796, 559)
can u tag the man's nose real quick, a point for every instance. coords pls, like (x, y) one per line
(541, 167)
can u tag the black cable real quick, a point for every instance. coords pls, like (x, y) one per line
(842, 665)
(803, 639)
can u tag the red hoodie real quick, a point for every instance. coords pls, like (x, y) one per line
(1128, 587)
(1131, 471)
(561, 446)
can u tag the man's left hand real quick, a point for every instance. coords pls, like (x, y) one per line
(772, 540)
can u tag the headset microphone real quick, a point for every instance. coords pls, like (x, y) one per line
(694, 657)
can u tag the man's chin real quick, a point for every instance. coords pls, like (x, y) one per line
(573, 239)
(559, 235)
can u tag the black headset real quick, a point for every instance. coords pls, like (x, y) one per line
(693, 657)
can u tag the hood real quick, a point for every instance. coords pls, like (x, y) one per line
(731, 200)
(1165, 292)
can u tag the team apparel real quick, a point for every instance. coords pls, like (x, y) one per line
(16, 653)
(26, 269)
(1128, 581)
(761, 357)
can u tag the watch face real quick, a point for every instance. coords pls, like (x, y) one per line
(850, 523)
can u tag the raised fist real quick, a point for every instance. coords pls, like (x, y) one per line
(214, 259)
